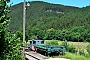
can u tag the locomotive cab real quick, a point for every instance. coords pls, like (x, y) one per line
(33, 42)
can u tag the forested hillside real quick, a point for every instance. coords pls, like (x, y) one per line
(38, 13)
(43, 20)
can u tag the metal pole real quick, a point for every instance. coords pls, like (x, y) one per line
(24, 17)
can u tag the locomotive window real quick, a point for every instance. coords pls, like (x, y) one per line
(34, 42)
(42, 42)
(30, 42)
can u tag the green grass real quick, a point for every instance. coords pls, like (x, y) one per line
(78, 45)
(72, 56)
(76, 57)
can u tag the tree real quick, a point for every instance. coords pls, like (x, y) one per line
(41, 34)
(50, 34)
(4, 9)
(9, 43)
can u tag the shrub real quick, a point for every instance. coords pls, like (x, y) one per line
(88, 48)
(81, 52)
(71, 48)
(52, 42)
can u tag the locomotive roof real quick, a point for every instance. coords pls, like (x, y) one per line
(37, 40)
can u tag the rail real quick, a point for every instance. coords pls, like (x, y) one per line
(34, 55)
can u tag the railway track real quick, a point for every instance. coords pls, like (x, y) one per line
(31, 55)
(28, 57)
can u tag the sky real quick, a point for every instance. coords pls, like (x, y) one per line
(76, 3)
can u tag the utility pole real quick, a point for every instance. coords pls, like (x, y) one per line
(24, 23)
(24, 19)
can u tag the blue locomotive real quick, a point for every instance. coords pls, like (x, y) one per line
(39, 46)
(34, 42)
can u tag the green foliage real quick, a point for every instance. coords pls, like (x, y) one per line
(19, 34)
(40, 34)
(12, 49)
(78, 33)
(37, 33)
(52, 42)
(81, 52)
(4, 9)
(71, 48)
(50, 34)
(38, 16)
(88, 48)
(87, 55)
(9, 43)
(33, 37)
(75, 57)
(48, 16)
(64, 22)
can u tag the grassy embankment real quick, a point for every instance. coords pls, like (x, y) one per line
(74, 56)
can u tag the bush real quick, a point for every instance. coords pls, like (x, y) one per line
(88, 49)
(52, 42)
(81, 52)
(71, 48)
